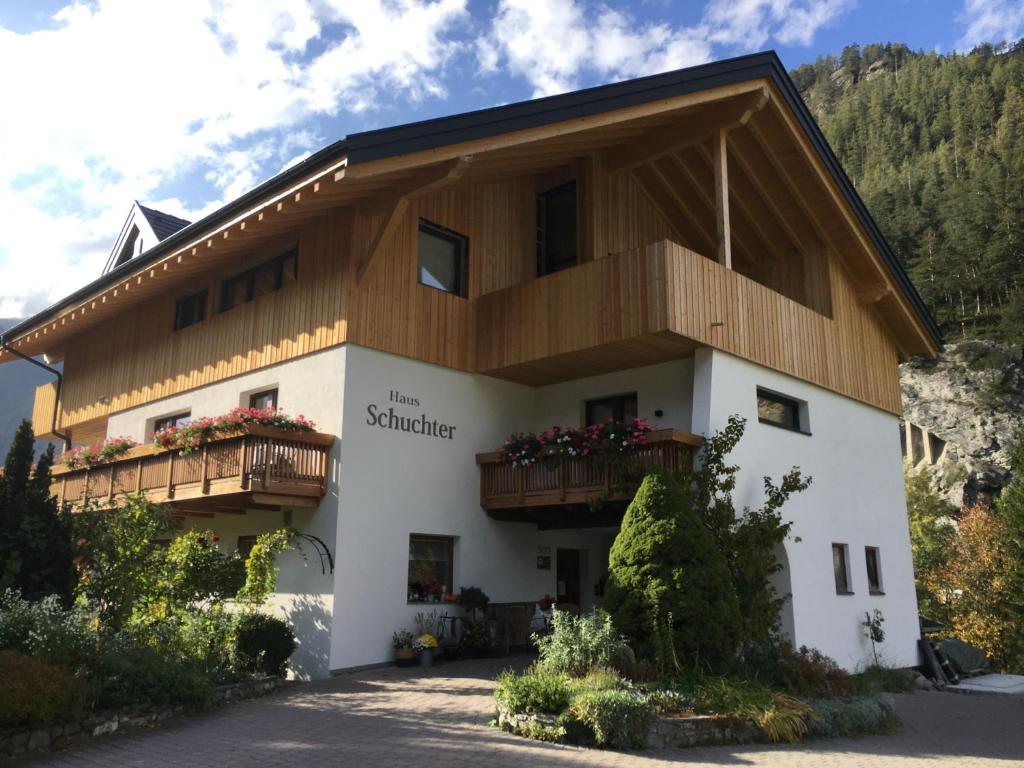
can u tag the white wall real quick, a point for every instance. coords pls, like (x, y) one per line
(312, 386)
(856, 498)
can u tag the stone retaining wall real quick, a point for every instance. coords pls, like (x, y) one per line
(38, 738)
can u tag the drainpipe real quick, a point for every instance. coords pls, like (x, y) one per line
(60, 381)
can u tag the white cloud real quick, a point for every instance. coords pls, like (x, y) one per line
(991, 21)
(554, 44)
(122, 98)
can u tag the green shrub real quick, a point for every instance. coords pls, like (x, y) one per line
(779, 716)
(878, 679)
(669, 586)
(669, 702)
(201, 638)
(618, 719)
(809, 672)
(131, 675)
(37, 692)
(851, 717)
(578, 644)
(537, 690)
(263, 644)
(601, 679)
(46, 630)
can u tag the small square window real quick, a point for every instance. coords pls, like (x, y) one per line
(263, 400)
(840, 565)
(190, 310)
(778, 410)
(443, 259)
(245, 545)
(430, 567)
(874, 565)
(175, 420)
(620, 408)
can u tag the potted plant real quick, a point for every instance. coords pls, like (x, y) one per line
(424, 646)
(402, 641)
(473, 599)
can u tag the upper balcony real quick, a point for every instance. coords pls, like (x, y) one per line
(562, 493)
(262, 468)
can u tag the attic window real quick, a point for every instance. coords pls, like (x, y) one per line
(128, 249)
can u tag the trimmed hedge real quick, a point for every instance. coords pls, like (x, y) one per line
(263, 644)
(37, 692)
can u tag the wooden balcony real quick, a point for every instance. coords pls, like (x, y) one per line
(560, 493)
(264, 468)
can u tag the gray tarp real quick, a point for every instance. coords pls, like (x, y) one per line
(966, 659)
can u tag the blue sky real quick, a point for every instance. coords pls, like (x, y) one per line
(186, 104)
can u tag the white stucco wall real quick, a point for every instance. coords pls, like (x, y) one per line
(856, 498)
(313, 386)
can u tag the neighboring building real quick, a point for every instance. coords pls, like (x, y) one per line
(683, 247)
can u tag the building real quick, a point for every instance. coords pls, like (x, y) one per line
(681, 247)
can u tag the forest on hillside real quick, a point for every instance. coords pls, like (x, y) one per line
(935, 146)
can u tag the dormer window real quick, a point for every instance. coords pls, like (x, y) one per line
(556, 229)
(128, 249)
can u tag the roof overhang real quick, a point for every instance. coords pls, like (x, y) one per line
(366, 166)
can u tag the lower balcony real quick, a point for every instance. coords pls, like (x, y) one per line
(263, 468)
(579, 492)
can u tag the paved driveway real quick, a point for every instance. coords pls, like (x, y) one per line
(438, 718)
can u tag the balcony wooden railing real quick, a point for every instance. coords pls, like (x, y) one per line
(564, 482)
(262, 467)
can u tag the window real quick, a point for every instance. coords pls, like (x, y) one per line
(245, 545)
(128, 249)
(263, 400)
(617, 408)
(556, 229)
(172, 421)
(190, 310)
(874, 565)
(443, 259)
(264, 278)
(430, 567)
(840, 566)
(778, 410)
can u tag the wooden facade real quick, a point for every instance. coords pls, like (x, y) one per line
(801, 296)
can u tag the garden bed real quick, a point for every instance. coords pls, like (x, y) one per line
(40, 738)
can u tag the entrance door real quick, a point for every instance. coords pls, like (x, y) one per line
(567, 572)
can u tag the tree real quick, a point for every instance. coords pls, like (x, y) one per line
(669, 587)
(1010, 507)
(36, 548)
(932, 536)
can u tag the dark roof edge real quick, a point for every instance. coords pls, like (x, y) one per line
(275, 183)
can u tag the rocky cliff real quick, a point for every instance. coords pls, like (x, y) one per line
(966, 405)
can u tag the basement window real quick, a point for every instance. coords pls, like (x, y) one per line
(190, 310)
(270, 276)
(841, 568)
(781, 411)
(556, 229)
(443, 259)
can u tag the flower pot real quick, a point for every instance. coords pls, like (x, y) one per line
(426, 657)
(405, 657)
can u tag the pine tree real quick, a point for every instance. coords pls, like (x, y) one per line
(1010, 509)
(669, 588)
(36, 550)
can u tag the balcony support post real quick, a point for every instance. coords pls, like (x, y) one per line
(205, 478)
(243, 462)
(723, 233)
(138, 476)
(267, 447)
(170, 475)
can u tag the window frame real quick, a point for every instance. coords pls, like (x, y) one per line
(203, 296)
(844, 550)
(542, 227)
(247, 279)
(172, 420)
(461, 242)
(798, 408)
(450, 571)
(245, 540)
(273, 391)
(876, 586)
(618, 407)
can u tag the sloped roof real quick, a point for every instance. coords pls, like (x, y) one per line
(163, 224)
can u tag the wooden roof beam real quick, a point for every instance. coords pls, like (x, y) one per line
(690, 129)
(650, 186)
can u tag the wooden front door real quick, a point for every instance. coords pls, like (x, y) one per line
(567, 572)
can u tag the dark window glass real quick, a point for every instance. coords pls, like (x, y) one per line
(839, 566)
(190, 310)
(128, 249)
(262, 279)
(617, 408)
(777, 409)
(443, 257)
(263, 400)
(172, 421)
(874, 566)
(430, 567)
(245, 545)
(556, 229)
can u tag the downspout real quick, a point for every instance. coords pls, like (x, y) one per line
(60, 381)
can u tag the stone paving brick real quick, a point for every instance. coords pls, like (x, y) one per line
(438, 717)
